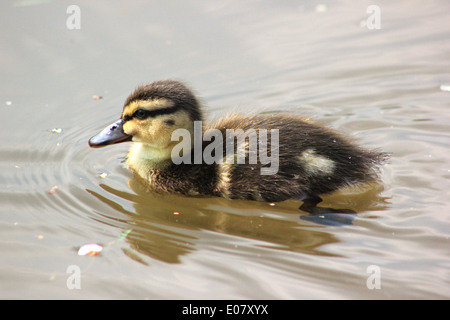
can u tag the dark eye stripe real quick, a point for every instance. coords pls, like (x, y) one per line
(144, 113)
(141, 114)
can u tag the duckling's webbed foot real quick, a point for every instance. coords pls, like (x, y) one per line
(310, 205)
(325, 216)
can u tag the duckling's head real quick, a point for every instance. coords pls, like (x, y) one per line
(149, 117)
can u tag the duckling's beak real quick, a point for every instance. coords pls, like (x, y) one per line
(110, 135)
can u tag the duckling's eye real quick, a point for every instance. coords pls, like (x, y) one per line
(141, 114)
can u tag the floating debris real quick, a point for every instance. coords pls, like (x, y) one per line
(91, 249)
(8, 103)
(445, 87)
(26, 3)
(124, 235)
(97, 97)
(103, 175)
(56, 130)
(176, 213)
(321, 8)
(53, 190)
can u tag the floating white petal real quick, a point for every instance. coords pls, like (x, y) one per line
(90, 250)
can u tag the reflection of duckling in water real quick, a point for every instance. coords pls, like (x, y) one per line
(163, 234)
(311, 159)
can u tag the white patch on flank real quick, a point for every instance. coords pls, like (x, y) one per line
(316, 164)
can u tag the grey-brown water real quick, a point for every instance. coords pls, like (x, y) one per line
(65, 76)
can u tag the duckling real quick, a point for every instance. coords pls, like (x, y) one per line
(307, 159)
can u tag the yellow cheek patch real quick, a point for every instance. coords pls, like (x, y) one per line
(130, 128)
(146, 130)
(156, 131)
